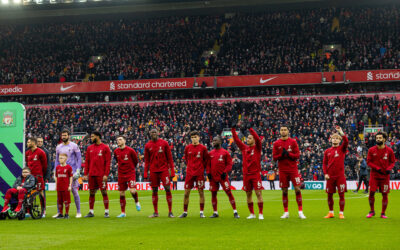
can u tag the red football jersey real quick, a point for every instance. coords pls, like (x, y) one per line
(333, 163)
(251, 155)
(36, 161)
(127, 161)
(158, 157)
(63, 174)
(380, 159)
(288, 163)
(196, 157)
(220, 161)
(98, 160)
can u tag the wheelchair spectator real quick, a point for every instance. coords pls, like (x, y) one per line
(22, 185)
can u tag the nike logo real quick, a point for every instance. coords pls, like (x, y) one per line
(267, 80)
(64, 89)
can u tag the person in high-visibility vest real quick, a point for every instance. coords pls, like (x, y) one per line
(271, 179)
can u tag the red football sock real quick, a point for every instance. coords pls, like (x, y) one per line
(330, 201)
(214, 201)
(299, 200)
(251, 207)
(105, 201)
(135, 197)
(60, 206)
(231, 199)
(91, 201)
(201, 207)
(260, 207)
(122, 202)
(185, 207)
(341, 202)
(155, 202)
(66, 207)
(169, 200)
(285, 202)
(385, 202)
(372, 201)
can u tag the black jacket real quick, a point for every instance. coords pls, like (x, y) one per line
(30, 182)
(47, 175)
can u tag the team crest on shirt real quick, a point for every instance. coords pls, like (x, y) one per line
(65, 171)
(385, 157)
(100, 154)
(252, 152)
(126, 158)
(35, 158)
(198, 155)
(160, 150)
(336, 154)
(220, 158)
(289, 149)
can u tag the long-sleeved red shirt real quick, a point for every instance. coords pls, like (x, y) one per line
(158, 157)
(196, 157)
(251, 155)
(380, 159)
(333, 164)
(37, 161)
(288, 163)
(220, 162)
(98, 160)
(127, 161)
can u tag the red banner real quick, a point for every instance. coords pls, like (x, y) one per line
(188, 83)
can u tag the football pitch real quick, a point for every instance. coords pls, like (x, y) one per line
(137, 231)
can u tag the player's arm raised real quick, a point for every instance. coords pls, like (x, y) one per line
(237, 140)
(256, 138)
(345, 142)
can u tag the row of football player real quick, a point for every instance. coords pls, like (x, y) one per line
(217, 163)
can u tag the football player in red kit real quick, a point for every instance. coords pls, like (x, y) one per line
(63, 176)
(158, 159)
(251, 154)
(218, 168)
(36, 160)
(286, 152)
(333, 166)
(381, 160)
(127, 161)
(196, 157)
(98, 161)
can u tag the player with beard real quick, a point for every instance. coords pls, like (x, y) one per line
(158, 159)
(381, 160)
(218, 168)
(98, 162)
(74, 159)
(286, 152)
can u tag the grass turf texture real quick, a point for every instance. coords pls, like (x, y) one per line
(138, 231)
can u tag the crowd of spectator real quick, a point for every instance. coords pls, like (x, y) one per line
(269, 42)
(311, 121)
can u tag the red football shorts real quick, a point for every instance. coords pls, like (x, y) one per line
(214, 185)
(96, 182)
(126, 182)
(252, 183)
(191, 180)
(157, 177)
(338, 183)
(285, 179)
(382, 183)
(64, 197)
(40, 183)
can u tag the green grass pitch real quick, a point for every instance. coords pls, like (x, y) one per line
(137, 231)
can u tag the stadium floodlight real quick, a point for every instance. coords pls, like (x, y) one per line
(4, 1)
(39, 1)
(53, 1)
